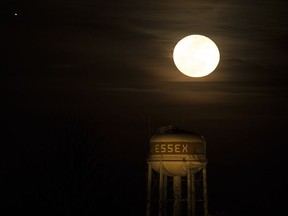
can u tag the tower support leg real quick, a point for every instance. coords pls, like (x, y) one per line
(165, 194)
(193, 193)
(189, 203)
(204, 172)
(148, 208)
(177, 195)
(161, 191)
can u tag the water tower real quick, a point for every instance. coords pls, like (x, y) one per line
(177, 181)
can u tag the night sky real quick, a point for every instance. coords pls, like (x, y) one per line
(81, 80)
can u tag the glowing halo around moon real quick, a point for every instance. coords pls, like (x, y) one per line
(196, 56)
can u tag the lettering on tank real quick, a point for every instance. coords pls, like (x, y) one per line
(177, 148)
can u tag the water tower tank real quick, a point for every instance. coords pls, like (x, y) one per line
(177, 150)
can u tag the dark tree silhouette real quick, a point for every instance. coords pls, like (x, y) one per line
(55, 166)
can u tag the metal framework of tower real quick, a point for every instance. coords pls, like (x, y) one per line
(177, 195)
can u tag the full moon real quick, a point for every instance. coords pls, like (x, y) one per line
(196, 56)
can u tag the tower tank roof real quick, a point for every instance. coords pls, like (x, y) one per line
(175, 134)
